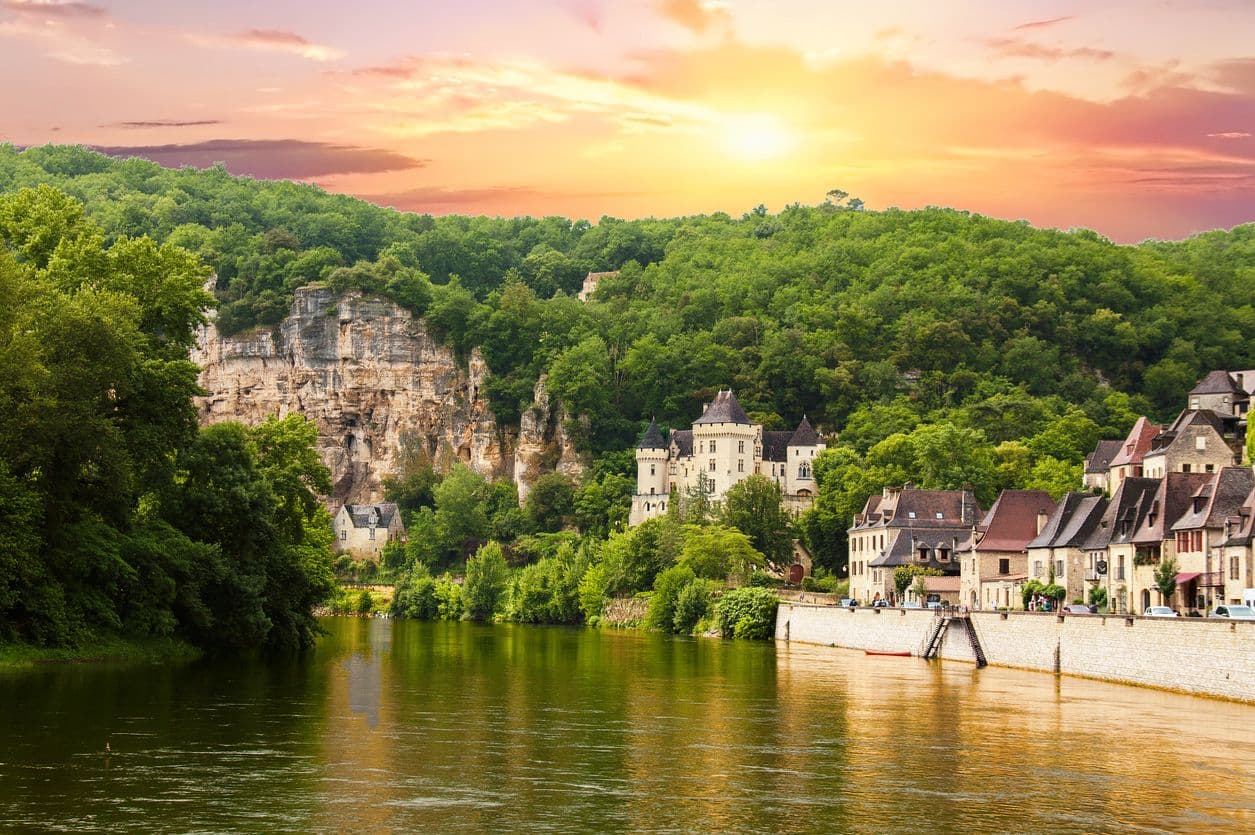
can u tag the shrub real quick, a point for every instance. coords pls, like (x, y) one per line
(592, 591)
(365, 603)
(691, 605)
(1098, 597)
(448, 598)
(747, 613)
(415, 597)
(667, 586)
(761, 579)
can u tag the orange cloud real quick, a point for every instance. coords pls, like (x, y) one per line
(696, 15)
(270, 40)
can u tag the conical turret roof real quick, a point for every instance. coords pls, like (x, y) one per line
(652, 439)
(805, 435)
(724, 409)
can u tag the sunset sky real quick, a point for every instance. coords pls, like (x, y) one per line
(1132, 117)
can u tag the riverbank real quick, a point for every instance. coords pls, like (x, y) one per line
(126, 650)
(1199, 656)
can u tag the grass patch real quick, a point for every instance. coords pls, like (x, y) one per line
(129, 650)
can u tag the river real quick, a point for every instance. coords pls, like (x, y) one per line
(403, 726)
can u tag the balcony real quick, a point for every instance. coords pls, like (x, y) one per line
(1092, 576)
(1211, 579)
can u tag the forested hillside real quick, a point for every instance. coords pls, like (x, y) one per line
(945, 347)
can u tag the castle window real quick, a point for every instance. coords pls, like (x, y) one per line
(343, 534)
(712, 446)
(651, 469)
(740, 465)
(740, 446)
(804, 470)
(712, 465)
(651, 490)
(1004, 566)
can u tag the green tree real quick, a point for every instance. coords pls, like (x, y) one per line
(716, 552)
(487, 579)
(550, 501)
(1166, 578)
(755, 507)
(667, 587)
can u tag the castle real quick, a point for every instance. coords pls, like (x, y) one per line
(721, 449)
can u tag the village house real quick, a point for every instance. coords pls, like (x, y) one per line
(1097, 474)
(590, 284)
(1153, 539)
(362, 530)
(1128, 461)
(1061, 550)
(905, 526)
(1198, 441)
(1201, 534)
(1237, 554)
(994, 560)
(723, 448)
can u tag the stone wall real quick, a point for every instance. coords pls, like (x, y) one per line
(624, 611)
(1192, 655)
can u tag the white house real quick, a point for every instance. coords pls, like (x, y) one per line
(362, 530)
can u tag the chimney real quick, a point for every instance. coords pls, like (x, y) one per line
(1042, 517)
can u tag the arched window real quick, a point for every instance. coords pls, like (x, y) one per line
(804, 470)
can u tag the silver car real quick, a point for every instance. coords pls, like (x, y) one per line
(1234, 612)
(1159, 612)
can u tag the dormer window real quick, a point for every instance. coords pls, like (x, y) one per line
(923, 555)
(910, 514)
(939, 514)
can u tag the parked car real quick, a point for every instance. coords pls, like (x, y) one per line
(910, 604)
(1234, 612)
(1079, 609)
(1159, 612)
(934, 604)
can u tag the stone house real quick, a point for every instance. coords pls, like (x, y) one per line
(1097, 473)
(1113, 539)
(1238, 556)
(1059, 552)
(1201, 534)
(1128, 461)
(994, 561)
(1198, 441)
(906, 526)
(590, 284)
(362, 530)
(1227, 393)
(722, 448)
(1153, 539)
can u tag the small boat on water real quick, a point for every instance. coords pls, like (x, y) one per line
(902, 654)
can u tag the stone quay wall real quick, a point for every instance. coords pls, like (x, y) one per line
(1204, 656)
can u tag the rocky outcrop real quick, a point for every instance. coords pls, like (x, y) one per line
(543, 445)
(378, 386)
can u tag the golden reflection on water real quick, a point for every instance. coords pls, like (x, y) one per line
(472, 727)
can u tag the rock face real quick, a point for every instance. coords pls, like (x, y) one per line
(377, 384)
(543, 445)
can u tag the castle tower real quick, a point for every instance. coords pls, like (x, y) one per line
(724, 442)
(799, 478)
(651, 476)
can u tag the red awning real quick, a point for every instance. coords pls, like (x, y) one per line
(1185, 576)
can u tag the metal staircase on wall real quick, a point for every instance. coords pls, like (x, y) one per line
(938, 632)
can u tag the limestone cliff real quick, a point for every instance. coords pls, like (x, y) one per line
(377, 384)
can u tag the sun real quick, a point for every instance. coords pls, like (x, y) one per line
(757, 136)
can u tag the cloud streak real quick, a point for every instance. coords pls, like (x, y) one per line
(163, 123)
(270, 40)
(283, 159)
(55, 9)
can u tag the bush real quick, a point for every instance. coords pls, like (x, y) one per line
(826, 584)
(1098, 597)
(667, 586)
(691, 605)
(761, 579)
(415, 597)
(592, 591)
(365, 603)
(747, 613)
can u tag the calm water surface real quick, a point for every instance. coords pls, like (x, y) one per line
(400, 726)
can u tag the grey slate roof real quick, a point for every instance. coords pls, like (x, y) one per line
(652, 439)
(1223, 498)
(805, 435)
(1099, 461)
(776, 445)
(1217, 382)
(683, 440)
(361, 513)
(903, 549)
(1072, 521)
(724, 409)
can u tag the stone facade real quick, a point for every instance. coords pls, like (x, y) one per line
(362, 530)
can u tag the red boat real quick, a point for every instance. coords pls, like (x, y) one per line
(903, 654)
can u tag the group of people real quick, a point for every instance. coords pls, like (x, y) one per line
(1041, 603)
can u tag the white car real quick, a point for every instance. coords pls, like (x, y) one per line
(1234, 612)
(1159, 612)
